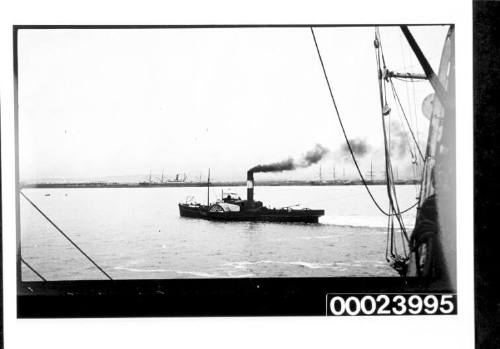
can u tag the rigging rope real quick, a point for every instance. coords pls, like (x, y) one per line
(415, 113)
(417, 164)
(397, 260)
(408, 79)
(347, 139)
(66, 236)
(386, 112)
(33, 270)
(396, 97)
(410, 148)
(411, 110)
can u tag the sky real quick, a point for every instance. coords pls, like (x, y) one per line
(119, 103)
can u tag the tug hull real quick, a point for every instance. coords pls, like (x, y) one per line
(233, 209)
(262, 214)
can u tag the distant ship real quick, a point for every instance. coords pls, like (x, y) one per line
(179, 178)
(233, 208)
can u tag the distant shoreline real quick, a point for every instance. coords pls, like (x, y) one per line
(204, 184)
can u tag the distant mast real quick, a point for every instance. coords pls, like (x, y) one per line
(208, 188)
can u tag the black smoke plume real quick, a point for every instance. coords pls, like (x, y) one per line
(312, 157)
(359, 147)
(285, 165)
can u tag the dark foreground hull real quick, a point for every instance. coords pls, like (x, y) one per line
(260, 215)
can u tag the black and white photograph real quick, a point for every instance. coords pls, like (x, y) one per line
(253, 176)
(235, 152)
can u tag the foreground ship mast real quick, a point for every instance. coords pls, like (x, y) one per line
(431, 244)
(434, 236)
(429, 250)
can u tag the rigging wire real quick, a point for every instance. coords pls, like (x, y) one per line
(66, 236)
(415, 114)
(396, 96)
(419, 163)
(416, 168)
(347, 139)
(390, 186)
(397, 260)
(409, 79)
(33, 269)
(410, 149)
(386, 111)
(411, 110)
(416, 65)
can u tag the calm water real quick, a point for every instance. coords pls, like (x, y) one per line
(137, 233)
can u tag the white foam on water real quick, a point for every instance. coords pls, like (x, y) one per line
(246, 275)
(309, 265)
(363, 221)
(138, 270)
(197, 273)
(194, 273)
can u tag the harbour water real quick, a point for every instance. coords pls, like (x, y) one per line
(137, 233)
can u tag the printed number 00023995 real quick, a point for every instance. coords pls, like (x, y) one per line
(382, 304)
